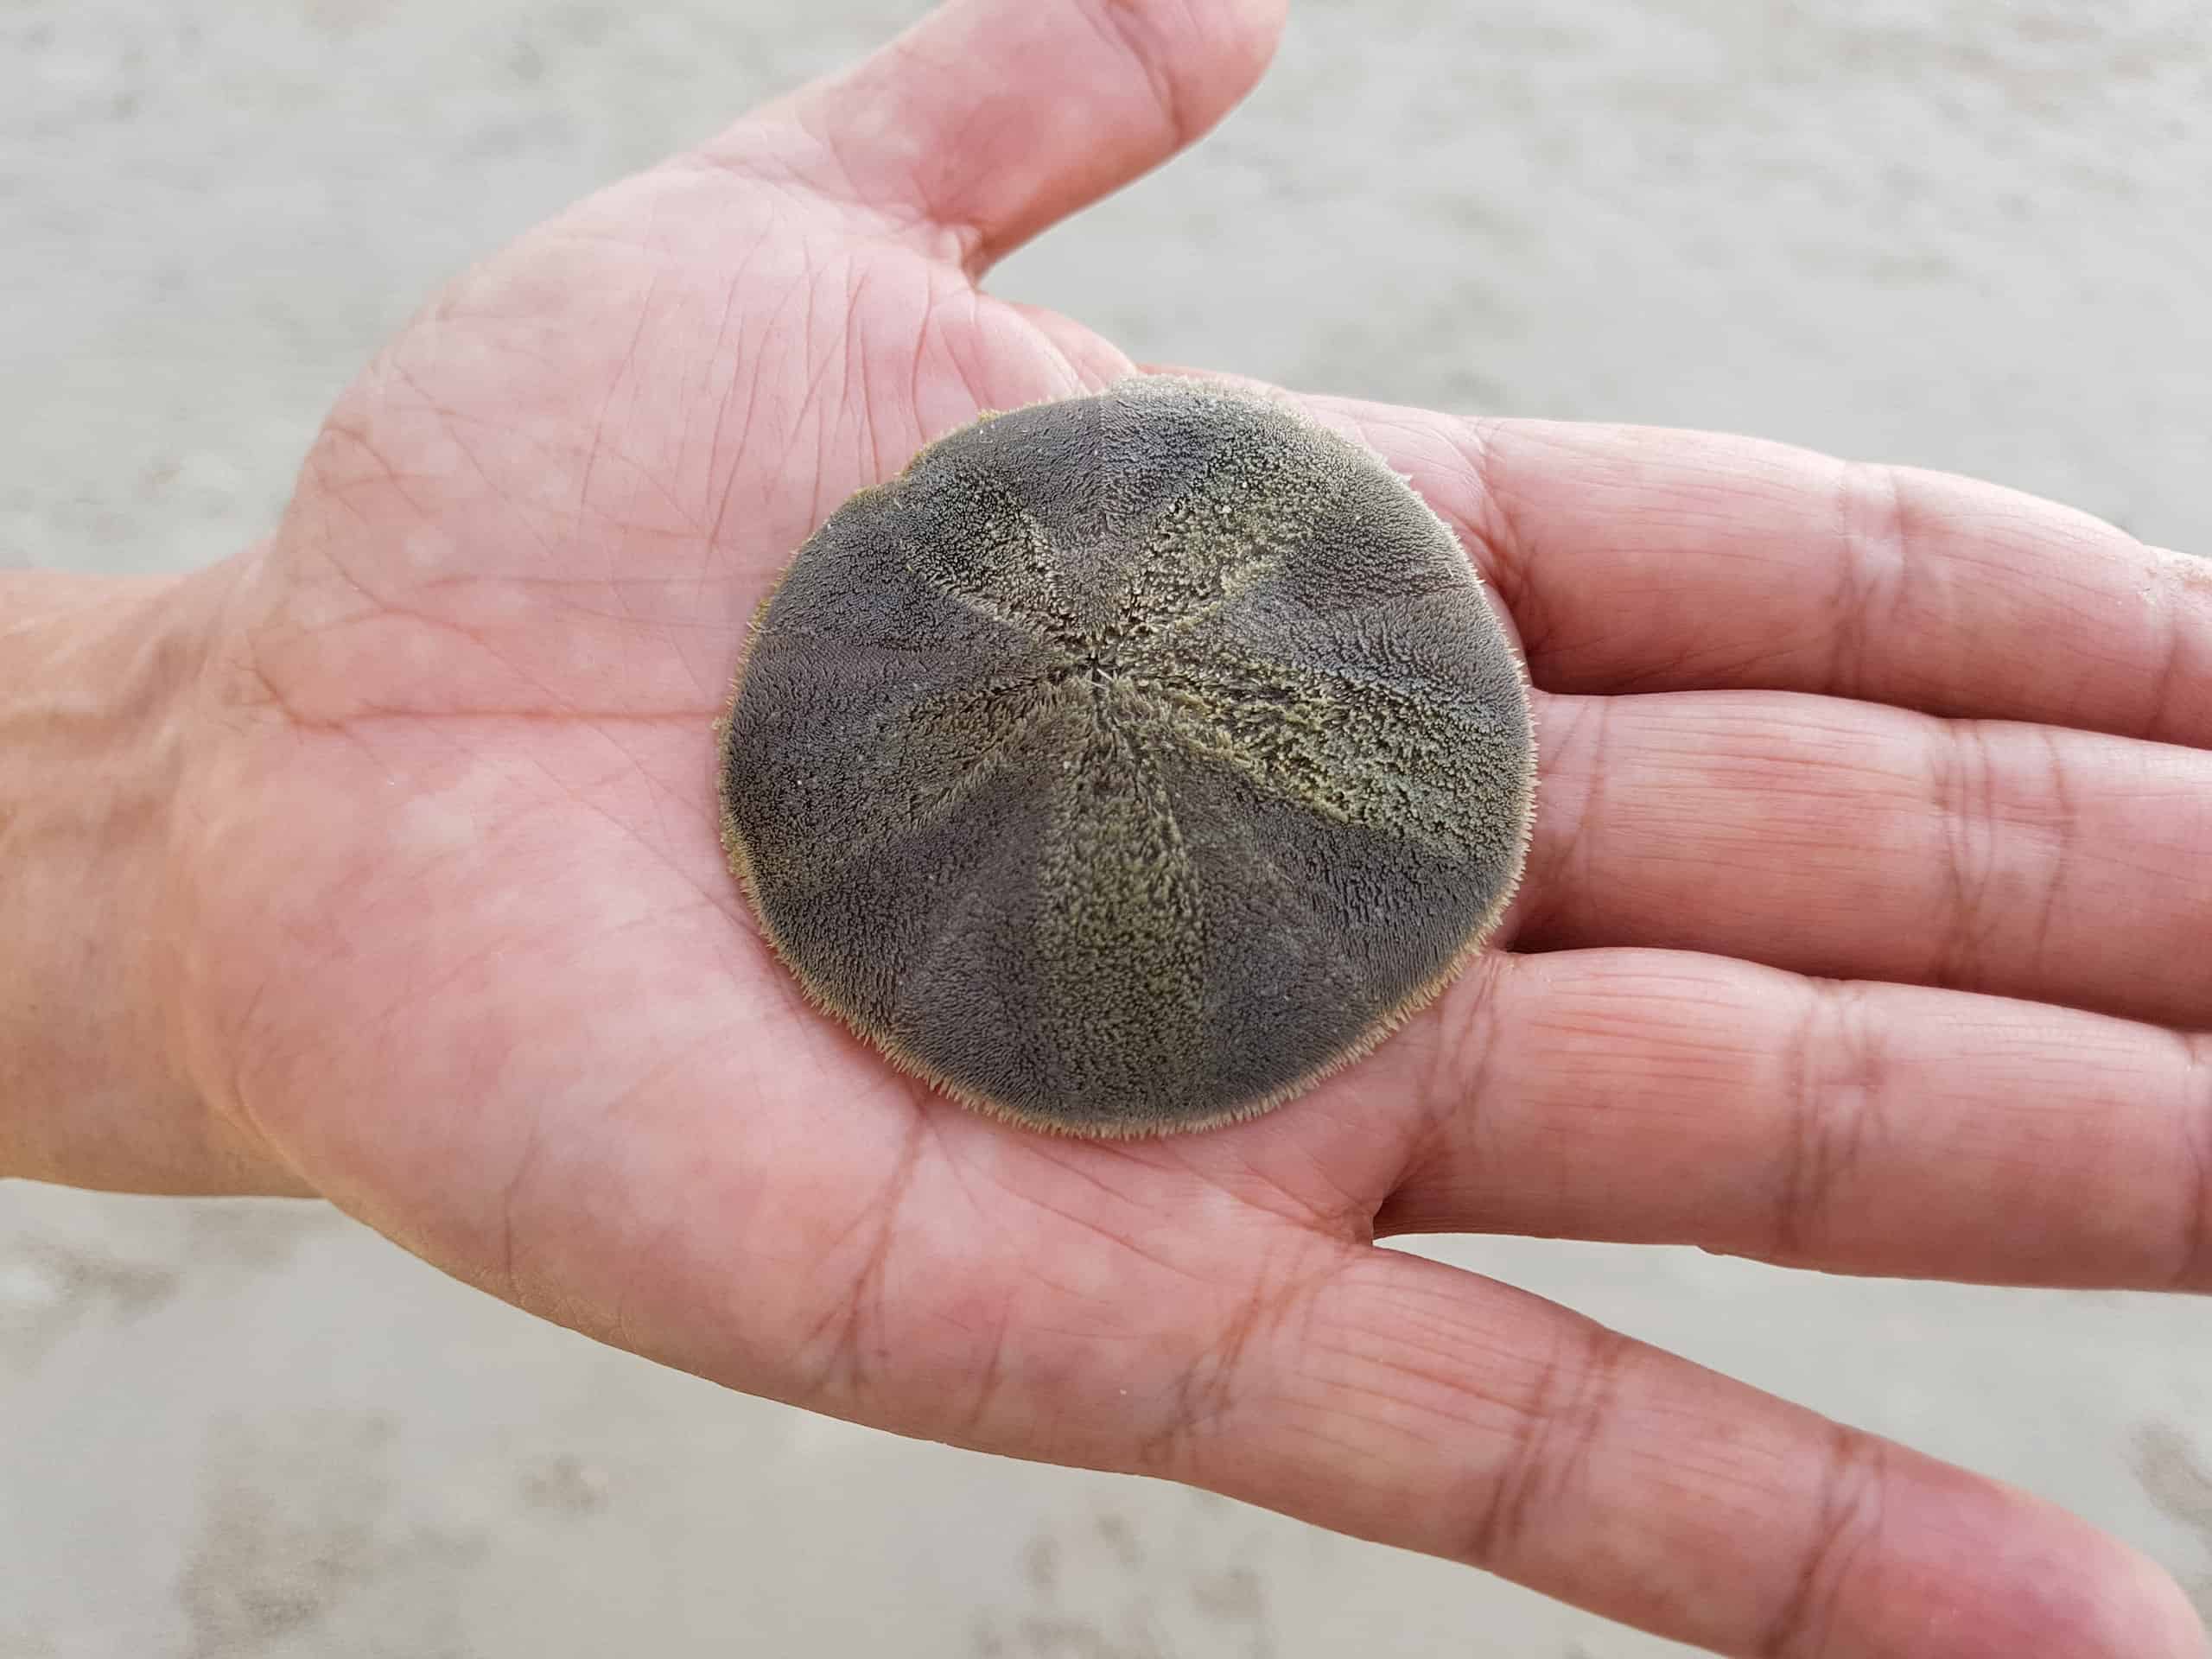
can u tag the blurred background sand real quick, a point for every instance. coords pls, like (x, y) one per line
(1970, 234)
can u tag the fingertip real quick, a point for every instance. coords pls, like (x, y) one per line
(2156, 1617)
(1997, 1573)
(2124, 1607)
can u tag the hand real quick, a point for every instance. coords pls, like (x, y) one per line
(1863, 930)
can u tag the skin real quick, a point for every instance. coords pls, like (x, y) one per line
(380, 862)
(1129, 762)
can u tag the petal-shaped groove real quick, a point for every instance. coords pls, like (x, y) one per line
(1361, 747)
(1121, 925)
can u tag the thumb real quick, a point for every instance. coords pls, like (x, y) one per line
(991, 120)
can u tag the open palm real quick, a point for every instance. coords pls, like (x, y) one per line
(466, 958)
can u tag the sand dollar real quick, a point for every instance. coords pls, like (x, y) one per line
(1129, 762)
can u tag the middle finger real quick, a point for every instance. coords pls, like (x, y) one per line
(1856, 841)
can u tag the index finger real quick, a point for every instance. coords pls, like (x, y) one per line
(1642, 559)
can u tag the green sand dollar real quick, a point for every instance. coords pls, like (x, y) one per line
(1128, 763)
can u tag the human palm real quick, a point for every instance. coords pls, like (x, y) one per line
(469, 962)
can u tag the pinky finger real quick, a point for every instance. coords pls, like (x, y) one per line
(1418, 1405)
